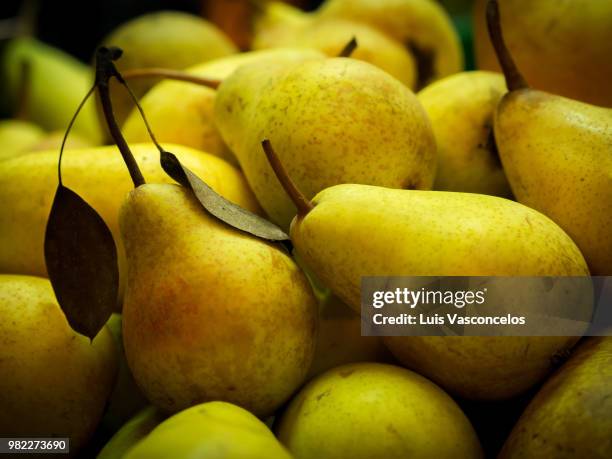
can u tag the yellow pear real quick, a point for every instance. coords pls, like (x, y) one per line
(216, 430)
(55, 382)
(57, 82)
(331, 35)
(99, 176)
(421, 25)
(339, 340)
(168, 39)
(557, 154)
(333, 120)
(461, 109)
(131, 433)
(197, 324)
(370, 410)
(17, 137)
(570, 415)
(564, 49)
(182, 113)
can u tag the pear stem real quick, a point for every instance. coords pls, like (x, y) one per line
(105, 69)
(23, 97)
(514, 78)
(170, 75)
(303, 205)
(349, 48)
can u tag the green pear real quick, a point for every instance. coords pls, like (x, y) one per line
(461, 109)
(216, 430)
(182, 113)
(168, 39)
(570, 415)
(131, 433)
(557, 155)
(332, 121)
(99, 176)
(57, 84)
(17, 136)
(373, 46)
(55, 382)
(197, 324)
(371, 410)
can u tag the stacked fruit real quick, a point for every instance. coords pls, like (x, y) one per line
(220, 321)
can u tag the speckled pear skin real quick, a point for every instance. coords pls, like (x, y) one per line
(557, 154)
(210, 312)
(330, 121)
(435, 233)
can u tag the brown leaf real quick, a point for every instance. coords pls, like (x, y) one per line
(217, 205)
(81, 261)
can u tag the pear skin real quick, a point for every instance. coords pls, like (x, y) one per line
(17, 137)
(570, 415)
(331, 121)
(461, 109)
(55, 382)
(197, 324)
(435, 233)
(557, 154)
(372, 410)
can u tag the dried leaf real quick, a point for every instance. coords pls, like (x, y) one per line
(218, 206)
(81, 260)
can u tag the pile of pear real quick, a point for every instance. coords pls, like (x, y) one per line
(220, 335)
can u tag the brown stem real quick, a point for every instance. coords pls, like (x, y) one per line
(105, 69)
(170, 75)
(349, 48)
(23, 97)
(514, 79)
(303, 205)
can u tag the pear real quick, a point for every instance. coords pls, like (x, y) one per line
(18, 136)
(53, 141)
(421, 25)
(57, 84)
(437, 233)
(99, 176)
(461, 109)
(182, 113)
(276, 21)
(375, 47)
(168, 39)
(333, 120)
(55, 382)
(564, 49)
(131, 433)
(210, 430)
(370, 410)
(197, 324)
(557, 155)
(339, 340)
(570, 415)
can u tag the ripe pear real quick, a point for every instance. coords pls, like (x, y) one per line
(57, 84)
(557, 155)
(53, 141)
(168, 39)
(436, 233)
(210, 430)
(423, 26)
(570, 415)
(371, 410)
(55, 382)
(276, 21)
(339, 340)
(182, 113)
(28, 184)
(331, 35)
(17, 136)
(563, 49)
(197, 324)
(131, 433)
(461, 109)
(332, 121)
